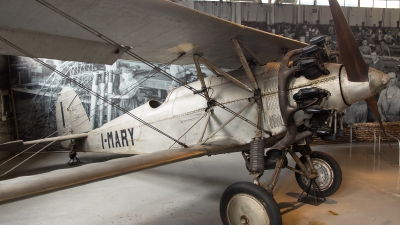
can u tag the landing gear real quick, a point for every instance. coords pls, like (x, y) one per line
(329, 175)
(246, 203)
(72, 158)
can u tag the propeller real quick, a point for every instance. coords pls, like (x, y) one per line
(353, 61)
(357, 69)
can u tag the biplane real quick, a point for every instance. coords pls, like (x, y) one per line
(278, 94)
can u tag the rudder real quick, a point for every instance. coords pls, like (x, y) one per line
(70, 115)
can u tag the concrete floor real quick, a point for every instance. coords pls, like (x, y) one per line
(189, 192)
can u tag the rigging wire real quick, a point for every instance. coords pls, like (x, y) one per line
(40, 141)
(127, 90)
(97, 111)
(127, 51)
(29, 156)
(92, 92)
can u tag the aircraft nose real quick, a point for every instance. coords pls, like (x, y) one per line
(377, 80)
(353, 92)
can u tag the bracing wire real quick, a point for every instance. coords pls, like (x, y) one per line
(127, 51)
(91, 92)
(25, 150)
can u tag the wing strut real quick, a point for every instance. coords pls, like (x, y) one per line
(255, 58)
(211, 66)
(245, 65)
(203, 129)
(256, 167)
(201, 77)
(257, 92)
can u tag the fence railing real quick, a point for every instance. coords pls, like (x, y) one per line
(379, 139)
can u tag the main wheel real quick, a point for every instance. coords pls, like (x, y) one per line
(248, 204)
(329, 174)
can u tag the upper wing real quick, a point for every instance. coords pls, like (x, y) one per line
(157, 30)
(31, 185)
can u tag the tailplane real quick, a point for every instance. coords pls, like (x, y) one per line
(70, 114)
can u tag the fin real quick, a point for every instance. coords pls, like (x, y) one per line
(70, 114)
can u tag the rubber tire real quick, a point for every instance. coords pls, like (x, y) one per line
(259, 193)
(335, 168)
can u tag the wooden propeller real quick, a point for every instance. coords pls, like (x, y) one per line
(353, 61)
(356, 68)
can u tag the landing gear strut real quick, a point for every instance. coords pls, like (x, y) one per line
(317, 173)
(72, 155)
(329, 176)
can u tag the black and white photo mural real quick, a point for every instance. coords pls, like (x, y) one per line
(126, 83)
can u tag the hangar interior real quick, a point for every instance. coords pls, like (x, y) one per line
(189, 192)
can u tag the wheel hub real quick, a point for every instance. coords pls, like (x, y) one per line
(244, 220)
(247, 210)
(324, 174)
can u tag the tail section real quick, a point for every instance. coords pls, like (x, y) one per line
(70, 114)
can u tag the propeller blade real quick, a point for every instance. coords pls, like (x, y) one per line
(357, 69)
(373, 105)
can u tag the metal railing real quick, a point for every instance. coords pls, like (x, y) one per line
(398, 141)
(379, 139)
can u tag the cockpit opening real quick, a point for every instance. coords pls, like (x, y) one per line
(154, 104)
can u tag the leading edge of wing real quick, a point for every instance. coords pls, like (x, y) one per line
(157, 30)
(31, 185)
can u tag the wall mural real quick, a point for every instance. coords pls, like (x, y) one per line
(126, 83)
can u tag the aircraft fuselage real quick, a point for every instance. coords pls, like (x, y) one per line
(182, 109)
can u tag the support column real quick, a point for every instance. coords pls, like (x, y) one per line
(237, 12)
(93, 103)
(5, 87)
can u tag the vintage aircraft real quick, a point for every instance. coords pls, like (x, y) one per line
(283, 92)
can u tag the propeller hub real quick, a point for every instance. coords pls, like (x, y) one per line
(357, 91)
(377, 80)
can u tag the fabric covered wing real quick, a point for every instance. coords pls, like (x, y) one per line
(37, 184)
(157, 30)
(31, 185)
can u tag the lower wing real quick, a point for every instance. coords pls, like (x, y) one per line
(31, 185)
